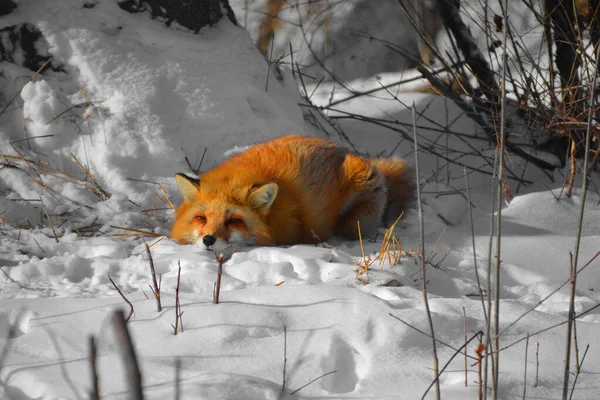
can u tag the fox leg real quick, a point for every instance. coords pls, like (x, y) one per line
(366, 199)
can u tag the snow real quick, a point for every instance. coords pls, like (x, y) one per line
(158, 95)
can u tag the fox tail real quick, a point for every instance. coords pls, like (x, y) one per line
(398, 180)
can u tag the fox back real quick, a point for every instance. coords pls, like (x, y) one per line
(289, 190)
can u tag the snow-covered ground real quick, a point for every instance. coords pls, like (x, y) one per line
(154, 96)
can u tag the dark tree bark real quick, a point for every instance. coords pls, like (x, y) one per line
(192, 14)
(564, 23)
(6, 6)
(450, 13)
(18, 43)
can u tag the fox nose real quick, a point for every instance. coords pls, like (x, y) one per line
(208, 240)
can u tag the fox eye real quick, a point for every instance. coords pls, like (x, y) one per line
(200, 218)
(233, 221)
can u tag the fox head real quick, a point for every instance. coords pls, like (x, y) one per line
(214, 214)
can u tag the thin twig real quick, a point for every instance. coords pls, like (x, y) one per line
(537, 363)
(30, 138)
(480, 353)
(178, 312)
(269, 62)
(580, 220)
(567, 360)
(496, 361)
(422, 256)
(465, 337)
(575, 342)
(156, 288)
(554, 326)
(314, 380)
(550, 294)
(429, 336)
(124, 298)
(437, 378)
(470, 206)
(7, 275)
(579, 364)
(525, 368)
(284, 356)
(221, 261)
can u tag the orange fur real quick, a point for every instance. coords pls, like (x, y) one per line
(289, 190)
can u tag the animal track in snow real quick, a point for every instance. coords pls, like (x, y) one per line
(348, 363)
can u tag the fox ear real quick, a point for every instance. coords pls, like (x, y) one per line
(263, 196)
(188, 187)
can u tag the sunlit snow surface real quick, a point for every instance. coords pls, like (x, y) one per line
(161, 94)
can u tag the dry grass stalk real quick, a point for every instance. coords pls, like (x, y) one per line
(84, 104)
(391, 249)
(157, 241)
(147, 224)
(366, 261)
(164, 198)
(43, 168)
(136, 232)
(124, 298)
(50, 223)
(101, 193)
(432, 253)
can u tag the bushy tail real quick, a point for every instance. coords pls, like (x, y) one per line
(398, 179)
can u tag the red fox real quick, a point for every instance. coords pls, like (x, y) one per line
(290, 190)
